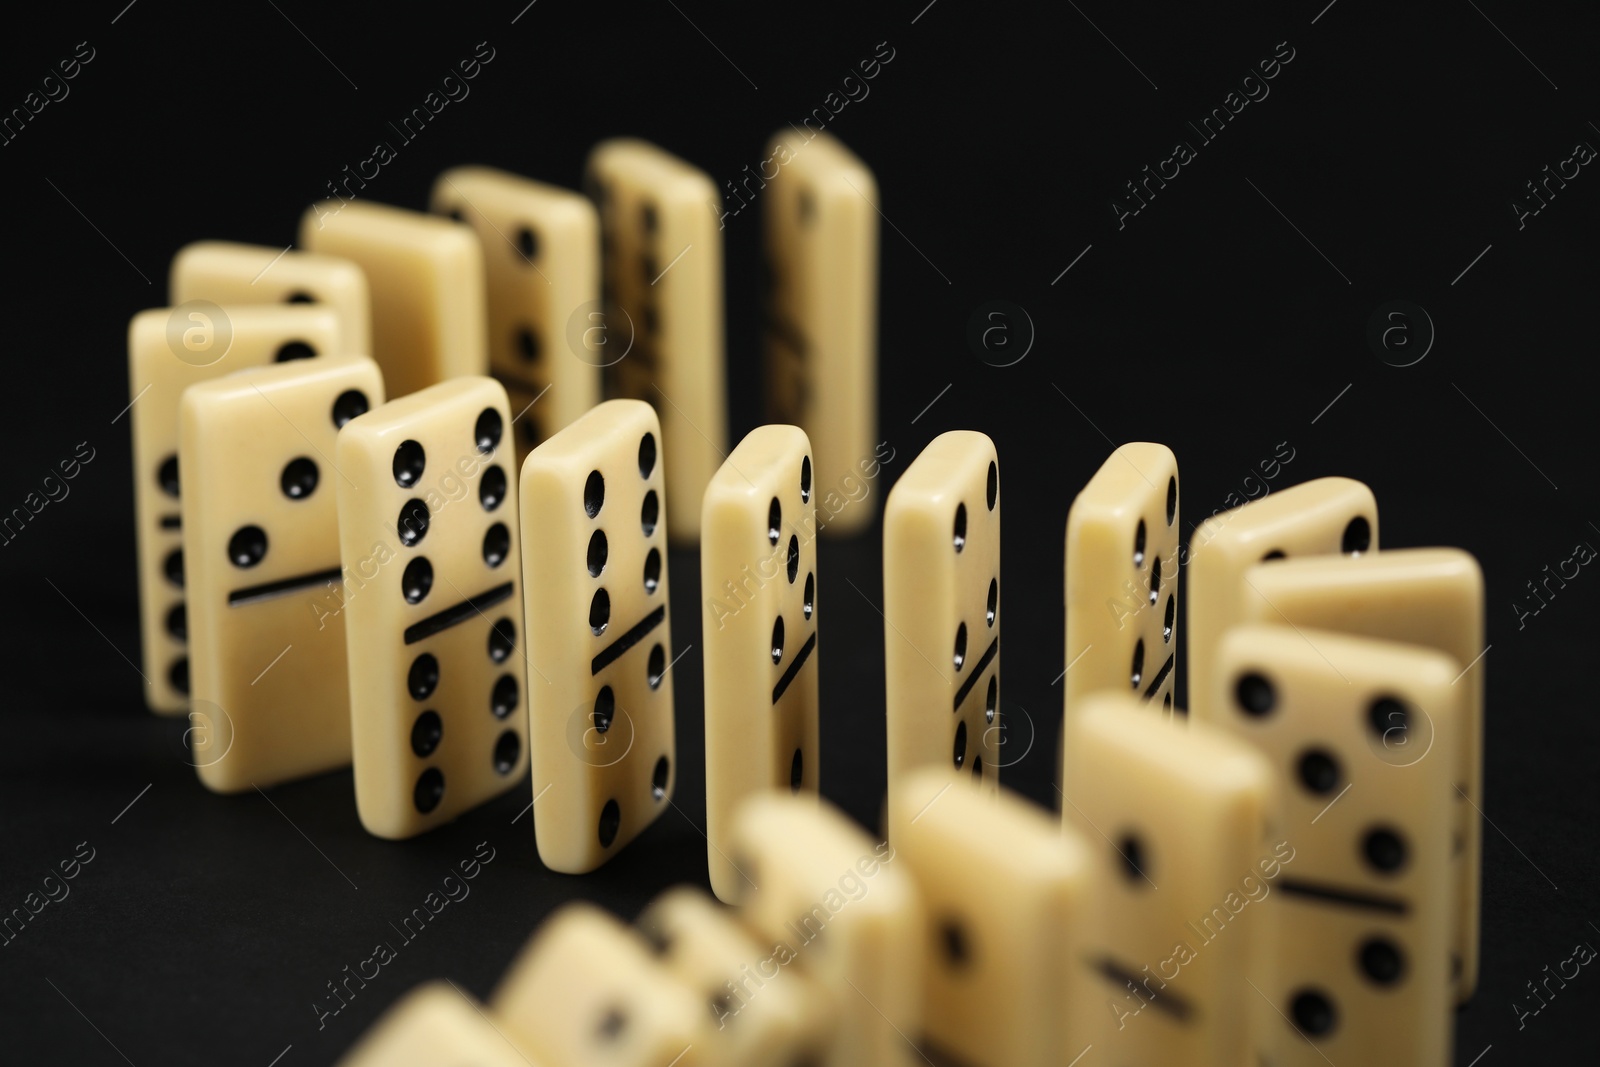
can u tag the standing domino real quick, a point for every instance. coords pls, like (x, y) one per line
(765, 1011)
(834, 905)
(232, 274)
(261, 544)
(661, 258)
(433, 1026)
(820, 218)
(426, 280)
(1364, 736)
(170, 349)
(1181, 817)
(595, 571)
(1122, 578)
(428, 520)
(758, 574)
(941, 608)
(541, 249)
(1425, 596)
(1316, 518)
(1004, 892)
(585, 990)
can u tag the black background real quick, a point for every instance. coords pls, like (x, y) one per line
(207, 926)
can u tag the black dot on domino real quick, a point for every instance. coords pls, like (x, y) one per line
(292, 350)
(805, 480)
(777, 639)
(496, 544)
(1389, 719)
(594, 494)
(652, 571)
(774, 521)
(1381, 960)
(527, 243)
(977, 768)
(806, 206)
(953, 939)
(247, 546)
(416, 580)
(178, 622)
(1169, 619)
(610, 823)
(1319, 771)
(1137, 671)
(599, 612)
(649, 513)
(656, 666)
(794, 558)
(614, 1021)
(1138, 544)
(1172, 500)
(647, 216)
(959, 749)
(1130, 851)
(647, 266)
(426, 733)
(1276, 553)
(172, 567)
(492, 488)
(351, 404)
(507, 751)
(808, 604)
(796, 771)
(423, 677)
(429, 790)
(994, 601)
(299, 478)
(605, 708)
(1155, 580)
(178, 675)
(299, 296)
(960, 656)
(1384, 849)
(959, 536)
(652, 319)
(409, 462)
(1255, 695)
(1313, 1013)
(527, 344)
(503, 699)
(1357, 536)
(647, 455)
(412, 525)
(658, 779)
(167, 476)
(598, 551)
(487, 430)
(993, 488)
(502, 640)
(991, 699)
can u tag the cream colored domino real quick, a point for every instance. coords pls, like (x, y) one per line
(1005, 893)
(541, 251)
(764, 1011)
(168, 350)
(426, 280)
(586, 990)
(941, 609)
(594, 568)
(261, 548)
(434, 1025)
(1122, 578)
(1181, 817)
(230, 274)
(820, 222)
(1316, 518)
(428, 540)
(661, 263)
(1426, 596)
(758, 577)
(1364, 737)
(835, 904)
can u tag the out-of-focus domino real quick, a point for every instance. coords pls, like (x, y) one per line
(231, 274)
(434, 1025)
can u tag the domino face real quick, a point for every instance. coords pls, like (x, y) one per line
(1327, 516)
(836, 906)
(661, 264)
(1181, 817)
(261, 545)
(1003, 890)
(587, 990)
(758, 576)
(433, 1026)
(941, 607)
(1122, 578)
(1431, 597)
(1363, 736)
(820, 218)
(231, 274)
(433, 600)
(167, 352)
(425, 276)
(541, 250)
(599, 636)
(763, 1011)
